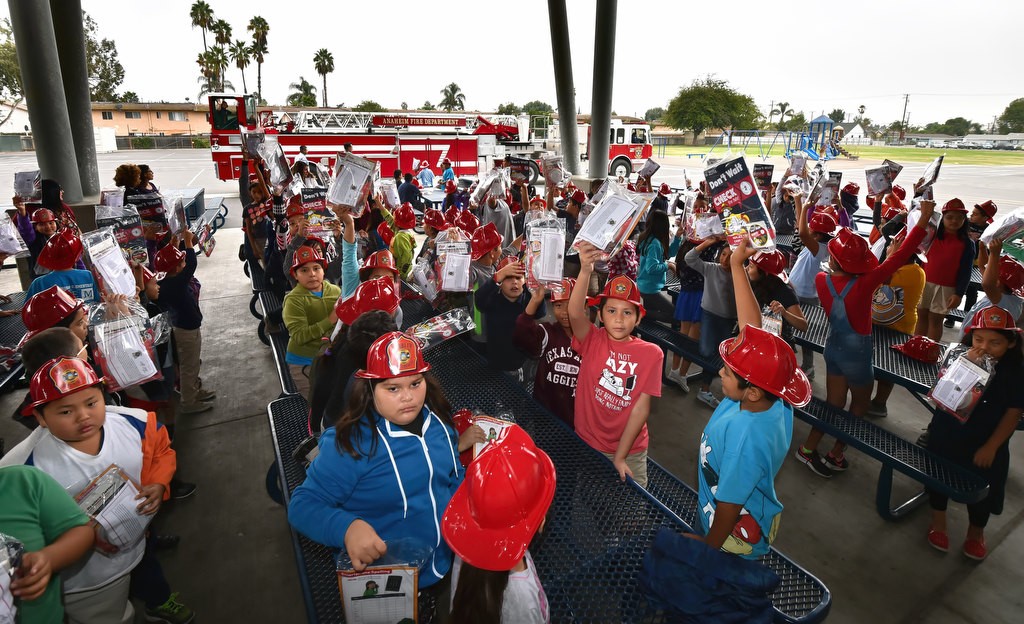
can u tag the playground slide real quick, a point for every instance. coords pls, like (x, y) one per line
(811, 153)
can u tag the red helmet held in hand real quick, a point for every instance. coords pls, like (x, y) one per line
(563, 291)
(765, 360)
(899, 191)
(47, 308)
(851, 252)
(59, 378)
(168, 259)
(385, 233)
(405, 217)
(393, 355)
(375, 294)
(485, 239)
(61, 251)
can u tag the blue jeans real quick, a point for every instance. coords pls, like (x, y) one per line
(713, 330)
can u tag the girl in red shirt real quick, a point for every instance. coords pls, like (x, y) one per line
(948, 270)
(845, 293)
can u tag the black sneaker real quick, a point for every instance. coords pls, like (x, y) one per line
(182, 489)
(922, 440)
(836, 464)
(166, 541)
(814, 461)
(948, 323)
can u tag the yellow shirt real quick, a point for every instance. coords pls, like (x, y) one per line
(910, 278)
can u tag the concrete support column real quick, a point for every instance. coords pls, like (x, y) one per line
(44, 90)
(565, 89)
(601, 103)
(70, 32)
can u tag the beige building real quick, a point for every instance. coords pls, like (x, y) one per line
(151, 119)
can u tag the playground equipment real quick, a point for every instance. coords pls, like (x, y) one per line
(816, 143)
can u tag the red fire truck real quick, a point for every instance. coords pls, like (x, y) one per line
(400, 140)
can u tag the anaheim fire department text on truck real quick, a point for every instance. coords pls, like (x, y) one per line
(400, 140)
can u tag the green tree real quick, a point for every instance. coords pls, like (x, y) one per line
(452, 98)
(508, 108)
(105, 71)
(654, 114)
(710, 103)
(221, 32)
(405, 106)
(427, 106)
(10, 72)
(369, 106)
(219, 61)
(211, 85)
(202, 16)
(795, 123)
(536, 108)
(129, 96)
(303, 93)
(837, 115)
(957, 126)
(1012, 119)
(240, 56)
(259, 29)
(324, 63)
(781, 109)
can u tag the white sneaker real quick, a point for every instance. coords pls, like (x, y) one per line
(705, 397)
(679, 380)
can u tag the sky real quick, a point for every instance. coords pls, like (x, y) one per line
(952, 58)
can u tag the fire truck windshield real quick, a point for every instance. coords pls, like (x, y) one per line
(225, 113)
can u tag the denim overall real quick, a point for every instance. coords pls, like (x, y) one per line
(847, 353)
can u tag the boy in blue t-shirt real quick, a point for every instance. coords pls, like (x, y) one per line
(59, 254)
(746, 440)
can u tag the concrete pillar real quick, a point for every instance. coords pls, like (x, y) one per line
(565, 90)
(601, 103)
(70, 35)
(41, 79)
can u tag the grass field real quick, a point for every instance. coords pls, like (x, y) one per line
(879, 152)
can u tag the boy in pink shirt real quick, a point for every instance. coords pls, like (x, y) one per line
(619, 373)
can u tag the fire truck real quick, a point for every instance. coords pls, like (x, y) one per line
(401, 140)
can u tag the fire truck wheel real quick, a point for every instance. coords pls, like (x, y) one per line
(534, 172)
(621, 167)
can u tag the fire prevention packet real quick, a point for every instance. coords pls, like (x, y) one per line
(961, 382)
(110, 500)
(385, 592)
(734, 196)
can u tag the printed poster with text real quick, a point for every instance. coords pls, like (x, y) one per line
(735, 198)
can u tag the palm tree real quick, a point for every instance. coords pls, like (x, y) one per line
(259, 29)
(202, 16)
(218, 61)
(452, 98)
(861, 109)
(324, 62)
(221, 32)
(208, 86)
(782, 110)
(239, 53)
(207, 69)
(303, 93)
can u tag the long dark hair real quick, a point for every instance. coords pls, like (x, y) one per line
(49, 195)
(479, 595)
(766, 287)
(962, 233)
(657, 229)
(360, 415)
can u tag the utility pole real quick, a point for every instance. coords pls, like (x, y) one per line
(771, 111)
(903, 118)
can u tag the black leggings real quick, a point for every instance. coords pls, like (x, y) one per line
(977, 513)
(659, 307)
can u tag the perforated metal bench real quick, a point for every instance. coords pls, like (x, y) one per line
(673, 341)
(897, 454)
(270, 303)
(12, 330)
(215, 211)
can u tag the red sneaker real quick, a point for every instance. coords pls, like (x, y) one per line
(975, 549)
(939, 540)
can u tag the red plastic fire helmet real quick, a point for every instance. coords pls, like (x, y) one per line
(467, 221)
(47, 308)
(622, 288)
(954, 205)
(393, 355)
(852, 188)
(434, 218)
(579, 197)
(501, 503)
(993, 317)
(416, 183)
(484, 239)
(870, 201)
(563, 290)
(772, 262)
(823, 222)
(168, 259)
(538, 204)
(1011, 274)
(384, 231)
(765, 360)
(375, 294)
(987, 207)
(449, 186)
(305, 255)
(382, 259)
(851, 252)
(899, 191)
(424, 164)
(61, 251)
(452, 214)
(664, 189)
(295, 207)
(60, 377)
(504, 262)
(920, 348)
(405, 217)
(43, 215)
(889, 212)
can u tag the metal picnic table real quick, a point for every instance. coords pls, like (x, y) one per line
(11, 332)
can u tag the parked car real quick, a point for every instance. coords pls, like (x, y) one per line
(987, 145)
(938, 143)
(922, 143)
(968, 145)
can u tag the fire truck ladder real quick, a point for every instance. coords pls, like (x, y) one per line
(332, 121)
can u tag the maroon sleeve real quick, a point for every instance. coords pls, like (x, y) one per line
(529, 336)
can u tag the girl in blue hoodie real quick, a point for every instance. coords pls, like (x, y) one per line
(389, 466)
